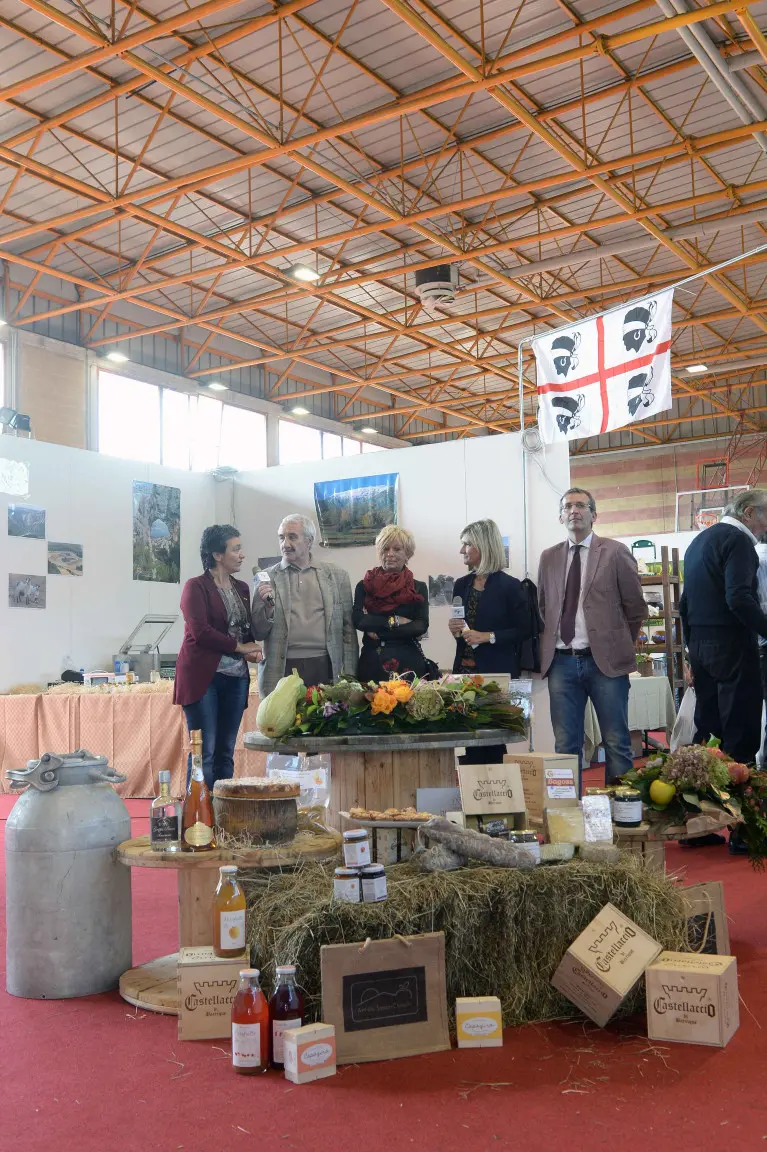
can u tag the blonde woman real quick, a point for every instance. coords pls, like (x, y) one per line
(391, 609)
(496, 617)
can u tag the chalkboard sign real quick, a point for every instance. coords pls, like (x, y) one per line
(386, 998)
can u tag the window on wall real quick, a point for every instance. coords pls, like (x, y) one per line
(332, 446)
(145, 422)
(2, 375)
(372, 447)
(299, 443)
(351, 447)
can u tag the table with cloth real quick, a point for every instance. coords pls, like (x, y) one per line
(651, 709)
(141, 733)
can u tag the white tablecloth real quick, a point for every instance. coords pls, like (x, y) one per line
(651, 708)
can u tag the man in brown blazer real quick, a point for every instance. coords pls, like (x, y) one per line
(590, 597)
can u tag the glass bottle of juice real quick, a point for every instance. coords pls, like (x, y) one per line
(250, 1026)
(228, 914)
(286, 1010)
(197, 816)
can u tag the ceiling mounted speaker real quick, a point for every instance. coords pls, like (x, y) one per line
(437, 285)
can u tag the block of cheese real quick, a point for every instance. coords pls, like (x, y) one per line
(478, 1022)
(564, 825)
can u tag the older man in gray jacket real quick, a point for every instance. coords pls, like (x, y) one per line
(303, 613)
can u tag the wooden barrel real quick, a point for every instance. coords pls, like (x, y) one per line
(256, 811)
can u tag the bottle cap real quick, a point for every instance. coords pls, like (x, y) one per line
(164, 776)
(251, 973)
(228, 868)
(286, 970)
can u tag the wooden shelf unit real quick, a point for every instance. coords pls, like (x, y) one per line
(669, 580)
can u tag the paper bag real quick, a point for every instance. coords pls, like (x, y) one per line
(386, 998)
(706, 919)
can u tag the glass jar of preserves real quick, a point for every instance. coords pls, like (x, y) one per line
(627, 807)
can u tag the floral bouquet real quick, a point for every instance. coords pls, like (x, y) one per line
(386, 707)
(700, 789)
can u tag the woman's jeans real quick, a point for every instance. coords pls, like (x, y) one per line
(218, 716)
(572, 681)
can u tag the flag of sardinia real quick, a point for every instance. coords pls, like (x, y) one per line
(605, 373)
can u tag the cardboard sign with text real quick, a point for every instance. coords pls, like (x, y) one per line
(692, 999)
(548, 780)
(207, 986)
(603, 964)
(386, 998)
(491, 789)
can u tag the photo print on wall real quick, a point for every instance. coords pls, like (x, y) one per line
(65, 559)
(26, 520)
(156, 532)
(26, 591)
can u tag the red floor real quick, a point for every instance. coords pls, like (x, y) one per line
(96, 1075)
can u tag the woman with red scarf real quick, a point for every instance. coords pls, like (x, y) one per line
(391, 609)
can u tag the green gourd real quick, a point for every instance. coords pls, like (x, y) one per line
(277, 712)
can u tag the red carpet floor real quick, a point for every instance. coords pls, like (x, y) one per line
(96, 1075)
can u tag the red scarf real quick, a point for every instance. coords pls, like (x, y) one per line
(385, 591)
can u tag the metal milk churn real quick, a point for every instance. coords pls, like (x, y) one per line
(68, 899)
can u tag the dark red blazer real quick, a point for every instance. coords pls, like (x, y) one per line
(206, 638)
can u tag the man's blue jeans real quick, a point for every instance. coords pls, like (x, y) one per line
(218, 716)
(572, 681)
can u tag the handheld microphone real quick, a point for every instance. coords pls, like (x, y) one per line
(264, 578)
(457, 610)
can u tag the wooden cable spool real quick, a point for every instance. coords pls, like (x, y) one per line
(256, 811)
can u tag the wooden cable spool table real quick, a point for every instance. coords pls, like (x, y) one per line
(153, 986)
(380, 772)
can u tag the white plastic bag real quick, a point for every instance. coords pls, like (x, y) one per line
(311, 773)
(684, 728)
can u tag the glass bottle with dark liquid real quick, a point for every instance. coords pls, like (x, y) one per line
(286, 1011)
(197, 816)
(250, 1026)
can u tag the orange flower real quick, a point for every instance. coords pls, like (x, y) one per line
(383, 702)
(400, 690)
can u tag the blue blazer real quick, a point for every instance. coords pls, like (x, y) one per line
(503, 610)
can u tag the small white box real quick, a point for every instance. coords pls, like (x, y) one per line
(478, 1022)
(310, 1053)
(692, 998)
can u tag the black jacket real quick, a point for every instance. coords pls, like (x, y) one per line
(502, 609)
(720, 569)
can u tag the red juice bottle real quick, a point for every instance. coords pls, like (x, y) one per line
(250, 1026)
(286, 1011)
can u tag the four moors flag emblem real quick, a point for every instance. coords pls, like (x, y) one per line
(604, 373)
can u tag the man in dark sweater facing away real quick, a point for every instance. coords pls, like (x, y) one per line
(721, 619)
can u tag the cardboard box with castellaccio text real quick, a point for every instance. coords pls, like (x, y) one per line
(603, 964)
(549, 780)
(207, 985)
(692, 999)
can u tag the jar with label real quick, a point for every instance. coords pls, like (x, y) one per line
(356, 848)
(527, 838)
(627, 807)
(373, 883)
(286, 1011)
(250, 1026)
(346, 885)
(228, 914)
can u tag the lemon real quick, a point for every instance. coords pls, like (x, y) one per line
(661, 792)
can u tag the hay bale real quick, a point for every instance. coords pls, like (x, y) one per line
(505, 930)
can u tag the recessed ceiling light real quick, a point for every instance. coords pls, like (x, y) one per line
(303, 272)
(299, 411)
(117, 357)
(696, 369)
(217, 386)
(370, 431)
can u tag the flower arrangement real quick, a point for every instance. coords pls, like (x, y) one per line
(700, 788)
(452, 704)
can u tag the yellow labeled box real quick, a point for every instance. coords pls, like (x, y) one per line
(478, 1022)
(310, 1053)
(603, 964)
(207, 986)
(692, 998)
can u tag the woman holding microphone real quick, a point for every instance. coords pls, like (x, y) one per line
(496, 620)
